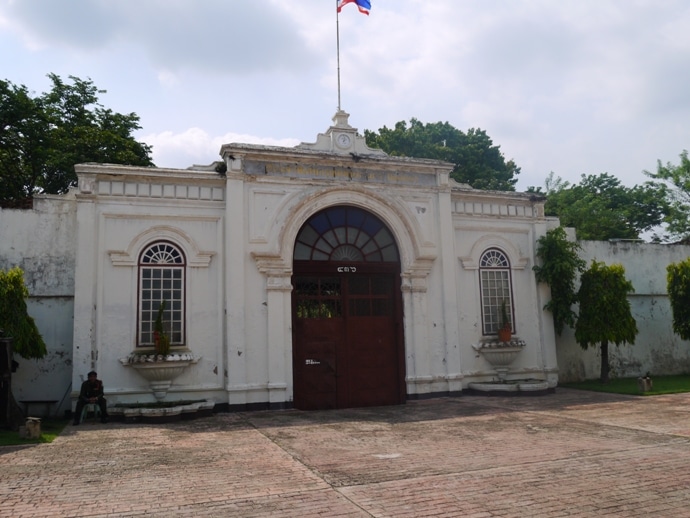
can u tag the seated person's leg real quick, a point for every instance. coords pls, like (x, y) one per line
(77, 412)
(102, 403)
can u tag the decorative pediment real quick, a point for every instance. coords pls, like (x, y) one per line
(341, 138)
(196, 258)
(471, 261)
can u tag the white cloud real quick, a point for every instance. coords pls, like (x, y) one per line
(572, 87)
(196, 146)
(215, 36)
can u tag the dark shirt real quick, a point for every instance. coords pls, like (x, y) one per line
(91, 389)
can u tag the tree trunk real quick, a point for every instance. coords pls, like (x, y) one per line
(11, 416)
(604, 377)
(16, 417)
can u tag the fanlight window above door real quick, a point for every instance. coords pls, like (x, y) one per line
(345, 234)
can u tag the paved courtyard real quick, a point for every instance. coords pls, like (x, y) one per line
(571, 454)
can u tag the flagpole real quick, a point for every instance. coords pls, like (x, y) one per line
(337, 46)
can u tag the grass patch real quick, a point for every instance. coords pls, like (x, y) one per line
(50, 429)
(662, 385)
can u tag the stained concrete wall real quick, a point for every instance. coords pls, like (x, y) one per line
(42, 242)
(657, 349)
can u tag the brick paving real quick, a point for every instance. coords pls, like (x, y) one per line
(569, 454)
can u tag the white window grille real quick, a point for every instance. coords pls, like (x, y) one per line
(161, 278)
(495, 285)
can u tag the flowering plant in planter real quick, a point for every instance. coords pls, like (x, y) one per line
(160, 366)
(144, 357)
(160, 338)
(505, 331)
(513, 343)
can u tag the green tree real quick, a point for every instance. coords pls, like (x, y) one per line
(560, 264)
(42, 137)
(676, 178)
(605, 314)
(600, 208)
(14, 318)
(16, 323)
(478, 162)
(678, 287)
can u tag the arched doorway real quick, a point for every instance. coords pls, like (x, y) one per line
(346, 312)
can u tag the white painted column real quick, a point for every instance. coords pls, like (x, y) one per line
(449, 267)
(84, 351)
(416, 315)
(280, 386)
(235, 358)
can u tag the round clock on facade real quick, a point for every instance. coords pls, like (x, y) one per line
(343, 140)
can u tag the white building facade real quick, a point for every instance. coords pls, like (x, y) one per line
(323, 276)
(328, 275)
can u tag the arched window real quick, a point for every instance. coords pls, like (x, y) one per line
(496, 290)
(161, 278)
(345, 234)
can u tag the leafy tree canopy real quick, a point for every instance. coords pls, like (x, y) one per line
(677, 179)
(560, 266)
(14, 319)
(478, 162)
(42, 137)
(604, 306)
(678, 284)
(605, 314)
(600, 208)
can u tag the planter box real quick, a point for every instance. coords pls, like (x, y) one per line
(500, 356)
(159, 373)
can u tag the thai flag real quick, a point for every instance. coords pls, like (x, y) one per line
(363, 5)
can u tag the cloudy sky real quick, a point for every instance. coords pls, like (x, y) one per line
(569, 86)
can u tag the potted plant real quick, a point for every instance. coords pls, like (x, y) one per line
(505, 331)
(161, 368)
(160, 338)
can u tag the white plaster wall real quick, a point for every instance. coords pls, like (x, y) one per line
(129, 212)
(277, 208)
(204, 289)
(50, 377)
(238, 235)
(656, 349)
(516, 238)
(441, 313)
(42, 242)
(425, 349)
(250, 364)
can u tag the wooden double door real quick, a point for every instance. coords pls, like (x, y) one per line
(347, 335)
